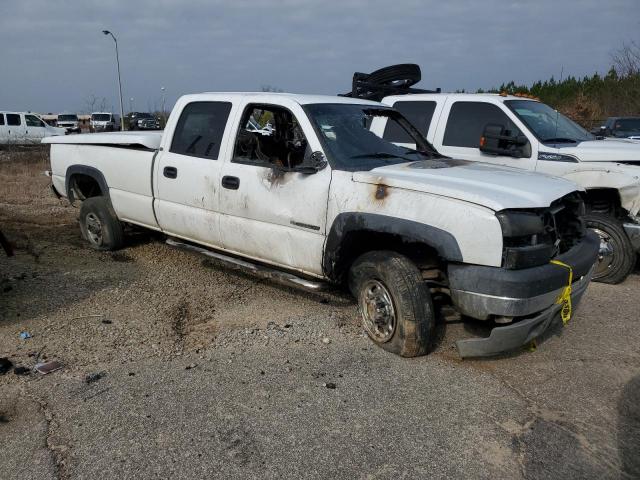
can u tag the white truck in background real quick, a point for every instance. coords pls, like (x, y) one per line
(527, 134)
(19, 128)
(322, 200)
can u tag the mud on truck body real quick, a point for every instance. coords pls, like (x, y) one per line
(323, 200)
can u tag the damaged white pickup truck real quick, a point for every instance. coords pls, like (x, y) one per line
(322, 199)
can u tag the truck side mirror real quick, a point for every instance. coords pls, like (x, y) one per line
(495, 141)
(312, 163)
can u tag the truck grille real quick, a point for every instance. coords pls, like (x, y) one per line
(563, 222)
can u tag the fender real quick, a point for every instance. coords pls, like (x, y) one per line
(88, 171)
(443, 242)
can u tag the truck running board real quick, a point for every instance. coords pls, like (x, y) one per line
(279, 276)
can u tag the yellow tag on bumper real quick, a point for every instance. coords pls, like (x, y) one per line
(565, 297)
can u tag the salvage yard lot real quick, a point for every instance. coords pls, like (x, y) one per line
(208, 372)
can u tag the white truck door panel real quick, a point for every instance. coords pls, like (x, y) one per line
(15, 127)
(462, 123)
(187, 173)
(277, 217)
(34, 129)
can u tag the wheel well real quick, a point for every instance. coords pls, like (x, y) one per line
(605, 201)
(84, 186)
(356, 243)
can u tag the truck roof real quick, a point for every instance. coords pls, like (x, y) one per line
(301, 99)
(456, 96)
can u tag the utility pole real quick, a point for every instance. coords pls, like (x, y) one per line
(107, 32)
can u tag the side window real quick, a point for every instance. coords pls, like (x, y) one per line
(467, 120)
(269, 136)
(1, 118)
(13, 119)
(33, 121)
(418, 113)
(200, 129)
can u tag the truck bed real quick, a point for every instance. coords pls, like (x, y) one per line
(123, 159)
(150, 140)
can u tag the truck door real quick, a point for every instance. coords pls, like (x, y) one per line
(187, 172)
(15, 128)
(35, 129)
(276, 217)
(462, 124)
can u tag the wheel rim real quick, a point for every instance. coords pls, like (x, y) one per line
(94, 229)
(606, 254)
(378, 312)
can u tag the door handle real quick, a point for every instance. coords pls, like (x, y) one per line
(170, 172)
(232, 183)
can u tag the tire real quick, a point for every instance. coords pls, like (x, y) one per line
(404, 74)
(395, 284)
(100, 225)
(617, 257)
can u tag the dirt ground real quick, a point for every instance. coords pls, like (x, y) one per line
(203, 371)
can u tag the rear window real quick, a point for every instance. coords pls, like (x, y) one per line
(1, 118)
(13, 119)
(418, 113)
(200, 129)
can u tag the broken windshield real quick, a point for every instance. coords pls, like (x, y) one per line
(350, 145)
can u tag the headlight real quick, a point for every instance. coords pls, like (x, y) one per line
(525, 241)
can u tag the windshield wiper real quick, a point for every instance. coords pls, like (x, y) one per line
(560, 140)
(378, 155)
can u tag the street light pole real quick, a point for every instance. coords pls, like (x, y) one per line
(107, 32)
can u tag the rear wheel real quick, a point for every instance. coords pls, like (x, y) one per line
(616, 258)
(394, 302)
(100, 225)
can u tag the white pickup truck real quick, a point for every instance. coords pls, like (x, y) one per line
(527, 134)
(323, 200)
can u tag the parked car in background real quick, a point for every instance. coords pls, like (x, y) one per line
(24, 128)
(142, 121)
(70, 122)
(323, 199)
(103, 122)
(620, 127)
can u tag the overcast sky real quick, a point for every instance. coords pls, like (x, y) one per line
(53, 54)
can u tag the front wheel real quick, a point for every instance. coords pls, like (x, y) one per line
(100, 225)
(617, 257)
(394, 301)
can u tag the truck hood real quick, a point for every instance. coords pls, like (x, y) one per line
(607, 150)
(491, 186)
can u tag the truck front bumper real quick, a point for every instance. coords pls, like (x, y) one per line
(528, 296)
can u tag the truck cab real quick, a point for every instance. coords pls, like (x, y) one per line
(70, 122)
(527, 134)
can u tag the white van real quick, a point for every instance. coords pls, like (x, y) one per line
(25, 128)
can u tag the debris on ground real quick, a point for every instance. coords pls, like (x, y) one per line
(330, 385)
(25, 335)
(48, 367)
(106, 321)
(20, 370)
(326, 340)
(94, 377)
(190, 366)
(5, 365)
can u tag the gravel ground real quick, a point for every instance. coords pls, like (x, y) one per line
(204, 371)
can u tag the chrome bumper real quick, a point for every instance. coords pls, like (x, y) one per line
(511, 337)
(483, 306)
